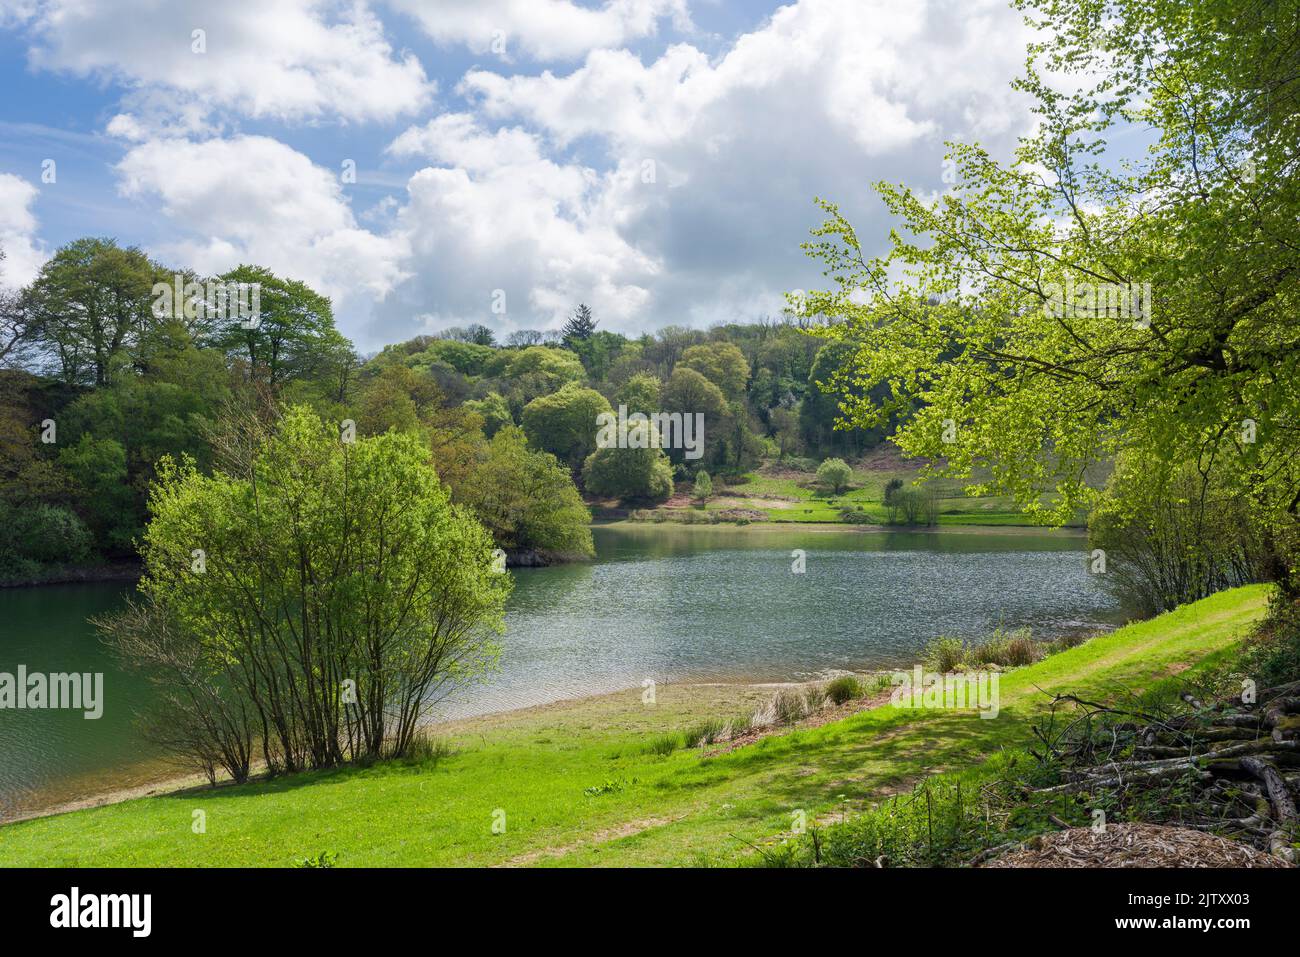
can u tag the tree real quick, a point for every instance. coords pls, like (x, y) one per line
(703, 486)
(564, 423)
(689, 393)
(835, 473)
(580, 325)
(628, 472)
(784, 423)
(16, 332)
(334, 597)
(493, 410)
(722, 363)
(527, 500)
(293, 335)
(1168, 539)
(89, 306)
(640, 393)
(1064, 307)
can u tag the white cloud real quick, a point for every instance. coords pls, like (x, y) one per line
(824, 98)
(275, 59)
(252, 199)
(24, 253)
(495, 214)
(541, 29)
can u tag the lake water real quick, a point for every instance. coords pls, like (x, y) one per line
(663, 602)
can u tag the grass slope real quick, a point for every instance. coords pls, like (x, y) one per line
(678, 809)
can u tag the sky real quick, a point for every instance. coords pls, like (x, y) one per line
(430, 163)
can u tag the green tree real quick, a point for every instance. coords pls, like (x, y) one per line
(836, 474)
(722, 363)
(527, 500)
(293, 335)
(494, 411)
(335, 595)
(580, 325)
(1066, 306)
(629, 474)
(89, 306)
(564, 423)
(640, 393)
(703, 486)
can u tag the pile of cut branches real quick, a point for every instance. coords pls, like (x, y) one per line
(1230, 766)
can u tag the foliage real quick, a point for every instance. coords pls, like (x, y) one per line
(526, 499)
(627, 473)
(1009, 323)
(564, 423)
(835, 474)
(323, 605)
(1171, 538)
(703, 486)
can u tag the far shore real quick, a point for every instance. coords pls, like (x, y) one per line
(130, 572)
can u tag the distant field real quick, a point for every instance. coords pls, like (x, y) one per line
(782, 495)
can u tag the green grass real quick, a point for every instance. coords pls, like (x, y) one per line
(801, 502)
(549, 770)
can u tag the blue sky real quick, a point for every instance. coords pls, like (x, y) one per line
(657, 159)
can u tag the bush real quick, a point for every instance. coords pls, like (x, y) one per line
(1008, 649)
(944, 654)
(788, 707)
(844, 688)
(740, 724)
(834, 473)
(706, 732)
(42, 534)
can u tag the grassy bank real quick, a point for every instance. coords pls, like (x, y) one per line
(789, 494)
(578, 786)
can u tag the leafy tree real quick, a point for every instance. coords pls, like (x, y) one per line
(97, 466)
(784, 423)
(89, 306)
(722, 363)
(836, 474)
(629, 474)
(688, 392)
(564, 423)
(526, 499)
(580, 325)
(340, 596)
(640, 393)
(294, 335)
(703, 486)
(493, 410)
(1022, 336)
(537, 371)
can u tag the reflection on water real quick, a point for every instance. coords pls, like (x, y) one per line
(672, 604)
(665, 603)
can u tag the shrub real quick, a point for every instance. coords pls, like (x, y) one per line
(844, 688)
(740, 724)
(834, 473)
(706, 732)
(944, 654)
(43, 534)
(788, 706)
